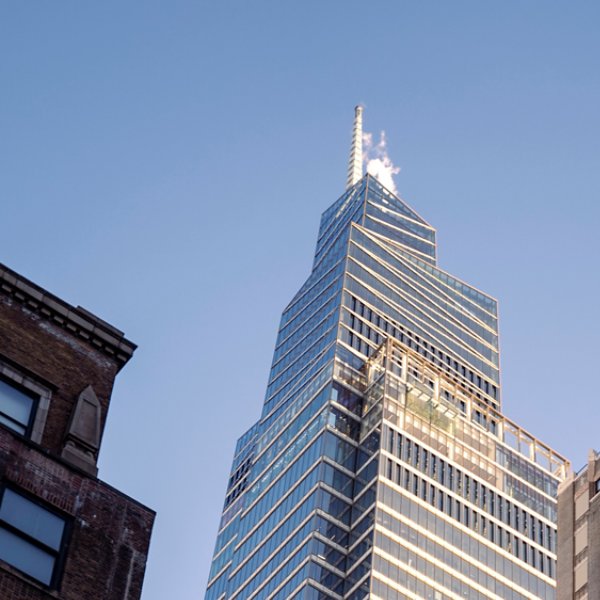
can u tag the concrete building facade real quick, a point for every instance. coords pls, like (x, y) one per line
(578, 563)
(64, 534)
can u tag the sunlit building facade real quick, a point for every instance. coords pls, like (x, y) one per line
(578, 563)
(382, 466)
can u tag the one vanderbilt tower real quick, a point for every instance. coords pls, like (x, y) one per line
(382, 465)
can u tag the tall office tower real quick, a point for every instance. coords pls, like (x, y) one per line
(578, 566)
(64, 534)
(382, 465)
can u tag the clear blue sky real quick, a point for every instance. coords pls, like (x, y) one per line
(165, 164)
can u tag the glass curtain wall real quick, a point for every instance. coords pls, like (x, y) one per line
(381, 465)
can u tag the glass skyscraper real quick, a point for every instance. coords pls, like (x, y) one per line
(382, 465)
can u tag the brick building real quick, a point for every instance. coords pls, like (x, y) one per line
(64, 534)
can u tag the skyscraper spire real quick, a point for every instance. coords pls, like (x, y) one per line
(356, 158)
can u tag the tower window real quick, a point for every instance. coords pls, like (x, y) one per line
(31, 537)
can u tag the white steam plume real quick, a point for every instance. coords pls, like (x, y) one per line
(378, 163)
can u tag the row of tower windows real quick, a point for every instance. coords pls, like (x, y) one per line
(299, 335)
(235, 493)
(421, 346)
(273, 543)
(303, 304)
(469, 517)
(262, 568)
(470, 489)
(435, 572)
(311, 571)
(262, 549)
(382, 590)
(435, 522)
(237, 482)
(240, 472)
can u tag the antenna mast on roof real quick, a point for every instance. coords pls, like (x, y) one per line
(356, 158)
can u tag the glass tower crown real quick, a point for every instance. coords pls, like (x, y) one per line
(382, 466)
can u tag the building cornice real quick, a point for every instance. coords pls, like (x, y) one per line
(76, 320)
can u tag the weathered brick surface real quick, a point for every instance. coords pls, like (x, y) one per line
(54, 356)
(109, 532)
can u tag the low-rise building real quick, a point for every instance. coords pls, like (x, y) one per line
(64, 534)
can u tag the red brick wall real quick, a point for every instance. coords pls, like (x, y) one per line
(110, 534)
(65, 361)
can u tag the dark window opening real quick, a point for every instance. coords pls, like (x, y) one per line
(17, 407)
(31, 537)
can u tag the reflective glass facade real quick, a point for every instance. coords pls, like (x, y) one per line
(382, 465)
